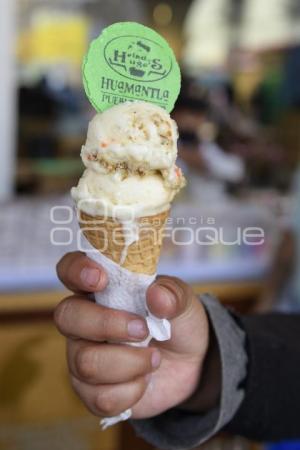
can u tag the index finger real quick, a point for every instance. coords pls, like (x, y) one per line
(75, 317)
(81, 274)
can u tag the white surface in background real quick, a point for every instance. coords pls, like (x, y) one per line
(207, 35)
(37, 277)
(27, 258)
(269, 25)
(8, 97)
(210, 35)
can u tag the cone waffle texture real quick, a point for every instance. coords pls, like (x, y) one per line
(108, 236)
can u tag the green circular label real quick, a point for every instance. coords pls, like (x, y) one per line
(129, 61)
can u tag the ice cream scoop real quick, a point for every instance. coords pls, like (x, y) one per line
(112, 195)
(130, 155)
(133, 136)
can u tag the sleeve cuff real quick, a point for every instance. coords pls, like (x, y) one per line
(176, 429)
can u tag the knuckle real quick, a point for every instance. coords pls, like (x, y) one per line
(103, 324)
(106, 403)
(109, 324)
(84, 362)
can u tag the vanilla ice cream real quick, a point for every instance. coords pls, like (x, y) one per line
(129, 155)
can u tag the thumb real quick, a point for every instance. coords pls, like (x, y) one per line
(171, 298)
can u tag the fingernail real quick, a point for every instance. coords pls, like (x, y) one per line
(90, 277)
(167, 295)
(137, 329)
(155, 359)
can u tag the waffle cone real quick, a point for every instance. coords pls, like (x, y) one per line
(107, 236)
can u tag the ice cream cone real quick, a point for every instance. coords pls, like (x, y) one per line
(114, 240)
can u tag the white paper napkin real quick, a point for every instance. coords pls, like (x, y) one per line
(126, 291)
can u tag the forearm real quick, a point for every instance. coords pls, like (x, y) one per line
(258, 396)
(271, 407)
(191, 423)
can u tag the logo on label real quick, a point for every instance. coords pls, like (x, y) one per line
(137, 58)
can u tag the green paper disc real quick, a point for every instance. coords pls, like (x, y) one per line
(127, 62)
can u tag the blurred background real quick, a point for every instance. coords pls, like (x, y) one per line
(239, 145)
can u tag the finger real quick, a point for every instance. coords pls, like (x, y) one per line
(103, 364)
(110, 400)
(173, 299)
(80, 274)
(169, 297)
(76, 317)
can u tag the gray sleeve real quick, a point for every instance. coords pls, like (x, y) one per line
(177, 429)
